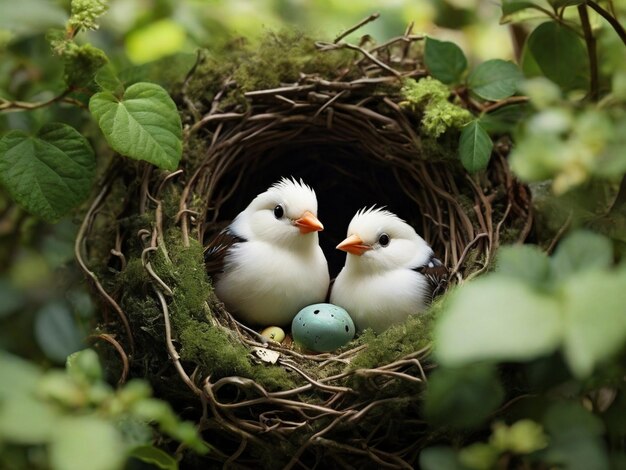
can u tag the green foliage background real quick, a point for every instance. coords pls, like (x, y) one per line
(548, 324)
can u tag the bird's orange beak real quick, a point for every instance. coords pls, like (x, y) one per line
(354, 245)
(309, 223)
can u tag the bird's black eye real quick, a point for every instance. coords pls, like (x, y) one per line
(383, 239)
(279, 211)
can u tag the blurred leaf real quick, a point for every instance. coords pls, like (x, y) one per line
(513, 6)
(444, 60)
(506, 119)
(28, 17)
(84, 366)
(154, 456)
(49, 174)
(462, 397)
(86, 442)
(167, 71)
(575, 441)
(160, 412)
(59, 388)
(143, 125)
(571, 418)
(482, 323)
(560, 54)
(583, 250)
(522, 437)
(25, 420)
(525, 262)
(155, 40)
(12, 298)
(475, 147)
(56, 332)
(479, 456)
(495, 79)
(541, 92)
(595, 327)
(439, 458)
(81, 302)
(19, 377)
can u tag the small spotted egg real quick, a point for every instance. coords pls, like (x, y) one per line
(274, 333)
(322, 327)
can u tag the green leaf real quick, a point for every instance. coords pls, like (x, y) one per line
(12, 298)
(475, 147)
(154, 456)
(522, 437)
(86, 442)
(495, 79)
(462, 397)
(581, 251)
(479, 456)
(513, 6)
(560, 54)
(575, 438)
(525, 262)
(49, 174)
(26, 420)
(595, 323)
(19, 377)
(482, 323)
(444, 60)
(56, 332)
(84, 366)
(439, 458)
(143, 125)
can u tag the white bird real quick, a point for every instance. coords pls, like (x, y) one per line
(267, 263)
(390, 271)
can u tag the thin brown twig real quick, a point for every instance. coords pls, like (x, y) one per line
(363, 22)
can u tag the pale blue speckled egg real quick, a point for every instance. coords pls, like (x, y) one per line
(322, 327)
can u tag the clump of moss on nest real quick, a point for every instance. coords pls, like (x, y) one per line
(430, 98)
(205, 343)
(279, 58)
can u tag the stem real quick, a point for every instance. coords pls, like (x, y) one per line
(591, 51)
(7, 105)
(619, 29)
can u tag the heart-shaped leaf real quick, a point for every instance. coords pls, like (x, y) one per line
(48, 174)
(144, 124)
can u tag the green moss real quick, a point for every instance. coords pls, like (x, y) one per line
(394, 343)
(218, 351)
(429, 98)
(281, 58)
(442, 115)
(418, 93)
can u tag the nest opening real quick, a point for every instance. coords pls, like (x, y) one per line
(345, 176)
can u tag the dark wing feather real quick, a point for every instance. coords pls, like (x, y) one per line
(436, 274)
(216, 250)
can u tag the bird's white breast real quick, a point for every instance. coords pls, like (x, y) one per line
(379, 300)
(266, 285)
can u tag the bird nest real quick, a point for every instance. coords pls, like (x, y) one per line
(332, 114)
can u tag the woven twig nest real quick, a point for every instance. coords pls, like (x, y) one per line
(331, 114)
